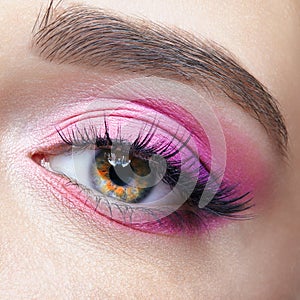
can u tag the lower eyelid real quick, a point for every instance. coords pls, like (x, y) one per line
(73, 197)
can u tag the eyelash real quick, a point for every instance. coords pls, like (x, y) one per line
(224, 203)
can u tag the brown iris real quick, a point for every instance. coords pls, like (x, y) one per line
(119, 181)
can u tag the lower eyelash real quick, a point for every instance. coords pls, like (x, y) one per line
(224, 203)
(186, 220)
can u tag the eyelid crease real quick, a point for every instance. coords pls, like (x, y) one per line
(95, 37)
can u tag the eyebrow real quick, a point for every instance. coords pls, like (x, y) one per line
(95, 37)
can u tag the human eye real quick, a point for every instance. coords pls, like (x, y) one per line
(207, 138)
(144, 168)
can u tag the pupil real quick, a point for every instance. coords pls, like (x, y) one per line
(113, 171)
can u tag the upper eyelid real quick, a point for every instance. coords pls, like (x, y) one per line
(101, 38)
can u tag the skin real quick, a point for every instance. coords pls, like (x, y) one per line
(49, 250)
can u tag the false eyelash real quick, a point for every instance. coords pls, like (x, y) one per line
(224, 203)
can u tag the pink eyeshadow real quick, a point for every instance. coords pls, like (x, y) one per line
(244, 166)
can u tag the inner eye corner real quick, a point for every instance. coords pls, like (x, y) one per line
(40, 158)
(37, 157)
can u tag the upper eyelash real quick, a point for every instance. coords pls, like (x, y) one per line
(223, 204)
(90, 136)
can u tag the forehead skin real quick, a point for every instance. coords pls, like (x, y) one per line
(256, 261)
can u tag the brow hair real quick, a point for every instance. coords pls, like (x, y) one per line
(99, 38)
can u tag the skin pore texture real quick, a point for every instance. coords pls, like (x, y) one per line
(52, 248)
